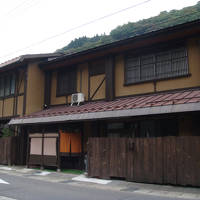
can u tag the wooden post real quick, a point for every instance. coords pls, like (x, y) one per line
(88, 82)
(25, 89)
(81, 165)
(9, 143)
(15, 95)
(47, 91)
(42, 162)
(110, 78)
(81, 74)
(28, 150)
(58, 153)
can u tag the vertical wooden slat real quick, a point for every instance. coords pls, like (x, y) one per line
(145, 160)
(188, 161)
(180, 161)
(118, 157)
(136, 162)
(105, 164)
(8, 150)
(169, 165)
(196, 173)
(58, 152)
(150, 161)
(154, 161)
(163, 160)
(139, 160)
(159, 160)
(131, 151)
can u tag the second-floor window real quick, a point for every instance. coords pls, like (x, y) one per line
(97, 67)
(155, 66)
(7, 85)
(66, 82)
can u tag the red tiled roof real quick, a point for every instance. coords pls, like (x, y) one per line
(141, 101)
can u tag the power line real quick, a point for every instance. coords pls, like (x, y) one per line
(77, 27)
(93, 21)
(31, 4)
(16, 7)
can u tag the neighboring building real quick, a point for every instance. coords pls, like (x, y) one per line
(147, 86)
(21, 87)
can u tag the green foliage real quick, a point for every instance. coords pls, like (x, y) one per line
(68, 171)
(72, 171)
(84, 43)
(7, 132)
(163, 20)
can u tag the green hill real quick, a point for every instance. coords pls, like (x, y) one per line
(163, 20)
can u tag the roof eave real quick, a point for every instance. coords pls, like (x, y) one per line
(168, 109)
(25, 58)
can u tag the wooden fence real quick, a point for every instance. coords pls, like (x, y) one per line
(9, 148)
(162, 160)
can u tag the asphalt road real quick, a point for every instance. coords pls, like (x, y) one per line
(24, 188)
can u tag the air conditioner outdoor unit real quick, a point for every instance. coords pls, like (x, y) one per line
(77, 98)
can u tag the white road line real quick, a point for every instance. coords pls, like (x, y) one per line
(3, 182)
(6, 198)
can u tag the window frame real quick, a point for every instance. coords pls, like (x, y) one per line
(11, 92)
(155, 52)
(58, 84)
(97, 67)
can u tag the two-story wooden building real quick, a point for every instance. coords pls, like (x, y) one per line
(140, 113)
(21, 89)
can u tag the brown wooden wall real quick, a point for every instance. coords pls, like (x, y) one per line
(166, 160)
(163, 85)
(85, 84)
(35, 89)
(9, 148)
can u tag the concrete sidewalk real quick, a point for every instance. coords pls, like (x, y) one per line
(83, 181)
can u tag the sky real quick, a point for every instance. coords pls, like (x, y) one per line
(43, 26)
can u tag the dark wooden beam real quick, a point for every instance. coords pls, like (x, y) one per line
(25, 89)
(88, 83)
(42, 162)
(47, 88)
(110, 78)
(3, 108)
(58, 153)
(81, 74)
(28, 149)
(14, 99)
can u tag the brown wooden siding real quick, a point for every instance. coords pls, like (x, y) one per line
(163, 160)
(9, 150)
(169, 84)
